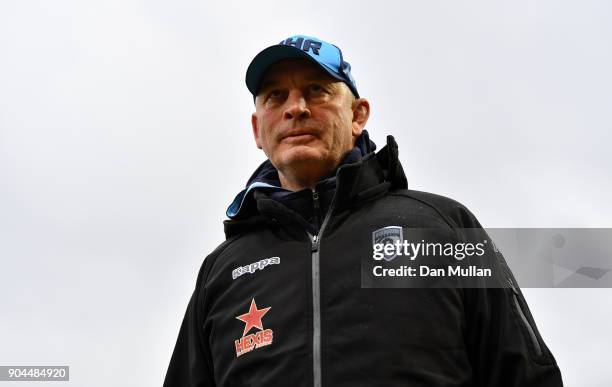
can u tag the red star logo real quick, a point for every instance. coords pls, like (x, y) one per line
(253, 318)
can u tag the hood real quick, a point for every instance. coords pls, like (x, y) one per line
(265, 178)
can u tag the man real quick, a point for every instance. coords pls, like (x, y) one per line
(282, 302)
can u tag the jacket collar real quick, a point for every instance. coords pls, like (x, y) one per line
(265, 178)
(370, 177)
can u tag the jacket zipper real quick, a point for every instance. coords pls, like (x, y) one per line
(316, 291)
(317, 209)
(530, 330)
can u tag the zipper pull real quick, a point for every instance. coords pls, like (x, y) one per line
(316, 210)
(315, 243)
(315, 200)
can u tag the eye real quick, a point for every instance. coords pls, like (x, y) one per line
(275, 94)
(315, 89)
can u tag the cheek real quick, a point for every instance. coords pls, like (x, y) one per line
(342, 124)
(265, 130)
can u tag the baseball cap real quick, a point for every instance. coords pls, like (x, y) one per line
(326, 55)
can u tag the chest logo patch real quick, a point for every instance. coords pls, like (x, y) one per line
(261, 338)
(387, 236)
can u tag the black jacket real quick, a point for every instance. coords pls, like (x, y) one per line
(275, 305)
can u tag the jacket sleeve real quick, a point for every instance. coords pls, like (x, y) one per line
(189, 366)
(503, 341)
(191, 363)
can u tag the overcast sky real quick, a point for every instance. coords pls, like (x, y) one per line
(125, 133)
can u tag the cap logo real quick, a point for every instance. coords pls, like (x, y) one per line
(303, 44)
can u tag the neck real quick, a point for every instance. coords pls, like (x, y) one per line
(308, 174)
(292, 183)
(297, 180)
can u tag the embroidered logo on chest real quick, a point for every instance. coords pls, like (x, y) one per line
(253, 267)
(261, 338)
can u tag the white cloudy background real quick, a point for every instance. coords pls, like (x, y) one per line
(124, 133)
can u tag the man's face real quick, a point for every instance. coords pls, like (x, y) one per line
(305, 121)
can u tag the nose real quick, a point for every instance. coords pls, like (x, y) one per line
(296, 106)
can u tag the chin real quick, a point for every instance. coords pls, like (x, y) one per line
(300, 155)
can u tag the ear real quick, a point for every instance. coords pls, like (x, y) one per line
(361, 113)
(255, 126)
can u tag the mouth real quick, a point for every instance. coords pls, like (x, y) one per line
(298, 136)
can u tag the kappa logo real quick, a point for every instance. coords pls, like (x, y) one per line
(261, 338)
(387, 236)
(253, 267)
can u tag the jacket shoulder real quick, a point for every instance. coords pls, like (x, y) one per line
(453, 212)
(211, 258)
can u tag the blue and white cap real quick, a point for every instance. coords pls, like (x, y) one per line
(326, 55)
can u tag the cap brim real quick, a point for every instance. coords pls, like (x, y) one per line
(262, 61)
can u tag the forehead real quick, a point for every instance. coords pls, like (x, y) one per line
(300, 69)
